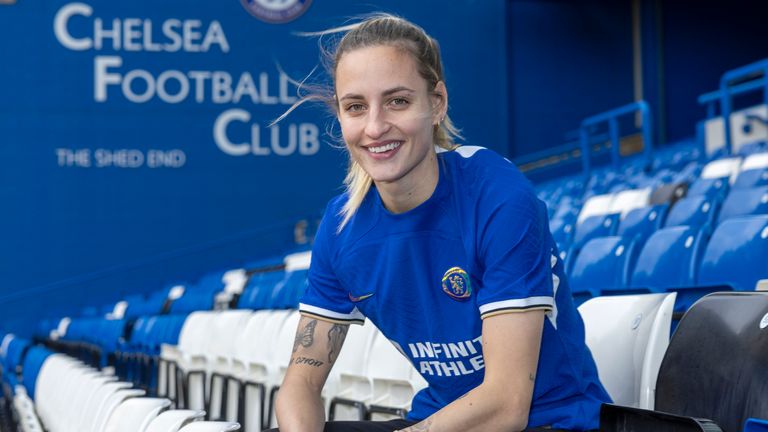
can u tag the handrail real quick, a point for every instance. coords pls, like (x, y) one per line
(750, 71)
(711, 98)
(611, 117)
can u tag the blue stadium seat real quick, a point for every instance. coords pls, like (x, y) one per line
(602, 266)
(640, 223)
(737, 254)
(257, 293)
(752, 178)
(669, 259)
(287, 293)
(743, 202)
(562, 229)
(711, 187)
(33, 362)
(596, 226)
(695, 211)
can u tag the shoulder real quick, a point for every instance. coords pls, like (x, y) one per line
(484, 175)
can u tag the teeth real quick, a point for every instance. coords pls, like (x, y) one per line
(384, 148)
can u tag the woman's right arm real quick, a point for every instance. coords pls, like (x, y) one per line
(299, 406)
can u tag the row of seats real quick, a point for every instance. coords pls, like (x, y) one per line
(231, 363)
(682, 258)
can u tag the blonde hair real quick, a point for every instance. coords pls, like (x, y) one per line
(374, 30)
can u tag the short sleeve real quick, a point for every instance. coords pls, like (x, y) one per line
(325, 298)
(515, 248)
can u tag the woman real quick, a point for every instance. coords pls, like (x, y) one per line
(446, 249)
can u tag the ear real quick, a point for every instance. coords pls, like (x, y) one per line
(439, 103)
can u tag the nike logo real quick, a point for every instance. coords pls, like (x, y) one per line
(354, 299)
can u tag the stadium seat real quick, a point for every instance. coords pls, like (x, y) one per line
(722, 168)
(394, 380)
(173, 420)
(345, 389)
(716, 188)
(736, 254)
(135, 414)
(752, 178)
(594, 206)
(669, 258)
(210, 427)
(756, 425)
(219, 354)
(695, 211)
(641, 222)
(628, 336)
(742, 202)
(713, 373)
(603, 265)
(755, 161)
(628, 200)
(668, 193)
(283, 349)
(595, 226)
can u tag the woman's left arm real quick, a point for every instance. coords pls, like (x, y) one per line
(511, 343)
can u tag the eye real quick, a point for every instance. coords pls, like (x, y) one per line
(399, 102)
(354, 108)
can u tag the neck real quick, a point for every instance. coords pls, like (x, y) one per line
(412, 190)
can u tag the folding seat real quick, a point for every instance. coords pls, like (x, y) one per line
(755, 161)
(257, 293)
(602, 266)
(34, 359)
(395, 380)
(628, 336)
(716, 188)
(736, 254)
(562, 230)
(595, 226)
(641, 222)
(722, 168)
(595, 205)
(695, 211)
(135, 414)
(206, 426)
(752, 178)
(742, 202)
(668, 193)
(344, 389)
(105, 398)
(110, 404)
(189, 358)
(668, 262)
(254, 366)
(756, 425)
(173, 420)
(220, 353)
(713, 374)
(283, 348)
(628, 200)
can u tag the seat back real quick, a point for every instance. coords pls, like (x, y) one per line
(711, 187)
(669, 258)
(742, 202)
(722, 168)
(628, 336)
(603, 264)
(641, 222)
(715, 363)
(752, 178)
(135, 414)
(596, 226)
(736, 254)
(173, 420)
(696, 211)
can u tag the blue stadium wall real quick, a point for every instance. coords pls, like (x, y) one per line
(134, 162)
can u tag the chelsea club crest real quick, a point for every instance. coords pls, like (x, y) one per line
(456, 283)
(276, 11)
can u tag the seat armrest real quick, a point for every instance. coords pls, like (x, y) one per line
(617, 418)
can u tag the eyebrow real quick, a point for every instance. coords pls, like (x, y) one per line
(384, 93)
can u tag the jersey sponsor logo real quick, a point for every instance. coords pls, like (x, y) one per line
(354, 299)
(456, 283)
(276, 11)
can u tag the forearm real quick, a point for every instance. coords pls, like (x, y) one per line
(299, 408)
(487, 408)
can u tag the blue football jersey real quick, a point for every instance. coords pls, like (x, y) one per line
(479, 246)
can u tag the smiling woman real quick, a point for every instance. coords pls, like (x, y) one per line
(446, 250)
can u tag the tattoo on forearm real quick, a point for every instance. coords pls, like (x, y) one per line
(306, 336)
(336, 336)
(532, 377)
(306, 361)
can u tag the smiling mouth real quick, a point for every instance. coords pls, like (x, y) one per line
(384, 148)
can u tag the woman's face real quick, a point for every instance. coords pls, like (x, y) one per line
(387, 113)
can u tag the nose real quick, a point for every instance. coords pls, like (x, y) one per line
(377, 123)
